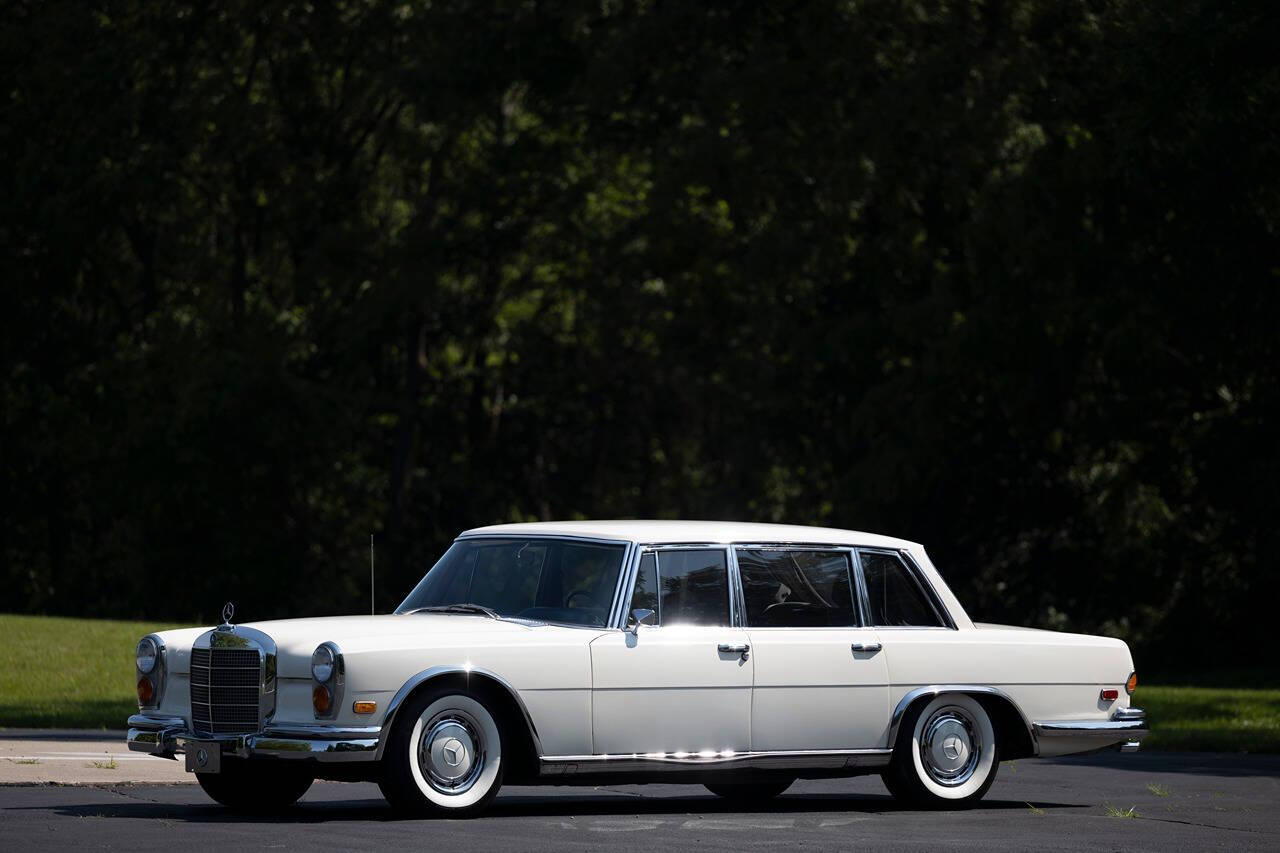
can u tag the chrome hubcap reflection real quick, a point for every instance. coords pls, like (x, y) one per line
(950, 746)
(451, 752)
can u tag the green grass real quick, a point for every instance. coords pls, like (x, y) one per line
(1211, 719)
(68, 673)
(78, 673)
(1117, 811)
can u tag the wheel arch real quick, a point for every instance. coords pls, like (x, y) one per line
(1014, 736)
(513, 715)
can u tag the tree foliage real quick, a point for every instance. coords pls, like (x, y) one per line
(999, 277)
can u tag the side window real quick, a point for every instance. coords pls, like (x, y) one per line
(691, 587)
(797, 589)
(896, 598)
(645, 594)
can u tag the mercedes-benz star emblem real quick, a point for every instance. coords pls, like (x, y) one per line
(202, 757)
(228, 610)
(453, 753)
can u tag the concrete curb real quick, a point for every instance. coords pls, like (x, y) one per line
(116, 735)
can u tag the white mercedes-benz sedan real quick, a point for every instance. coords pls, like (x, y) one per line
(736, 656)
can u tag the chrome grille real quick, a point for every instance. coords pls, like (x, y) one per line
(226, 690)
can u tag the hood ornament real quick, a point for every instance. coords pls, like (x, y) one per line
(228, 611)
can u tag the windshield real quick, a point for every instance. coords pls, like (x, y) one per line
(547, 580)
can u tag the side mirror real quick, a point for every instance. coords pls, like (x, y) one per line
(641, 617)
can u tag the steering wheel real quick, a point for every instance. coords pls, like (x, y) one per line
(789, 605)
(568, 599)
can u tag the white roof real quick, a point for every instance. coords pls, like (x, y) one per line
(661, 532)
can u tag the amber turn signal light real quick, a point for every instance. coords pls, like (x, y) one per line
(320, 699)
(1132, 684)
(146, 690)
(361, 707)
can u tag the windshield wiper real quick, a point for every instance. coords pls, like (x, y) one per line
(462, 607)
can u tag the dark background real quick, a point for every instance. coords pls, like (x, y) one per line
(998, 277)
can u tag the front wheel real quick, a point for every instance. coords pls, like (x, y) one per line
(749, 792)
(946, 754)
(256, 786)
(444, 756)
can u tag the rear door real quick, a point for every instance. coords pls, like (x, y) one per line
(821, 681)
(684, 684)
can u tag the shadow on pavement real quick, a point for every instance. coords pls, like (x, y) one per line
(520, 806)
(1195, 763)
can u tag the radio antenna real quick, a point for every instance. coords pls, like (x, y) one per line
(372, 609)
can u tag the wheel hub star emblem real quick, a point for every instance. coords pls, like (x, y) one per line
(453, 753)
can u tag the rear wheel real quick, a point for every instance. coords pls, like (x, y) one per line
(444, 756)
(750, 792)
(256, 786)
(946, 754)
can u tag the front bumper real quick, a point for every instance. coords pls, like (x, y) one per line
(1126, 729)
(167, 736)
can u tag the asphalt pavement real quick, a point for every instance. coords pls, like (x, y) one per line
(1159, 801)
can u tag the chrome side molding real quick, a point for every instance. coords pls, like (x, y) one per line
(804, 759)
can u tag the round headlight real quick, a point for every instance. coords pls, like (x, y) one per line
(146, 655)
(322, 664)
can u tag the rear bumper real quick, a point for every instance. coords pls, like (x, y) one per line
(167, 736)
(1126, 729)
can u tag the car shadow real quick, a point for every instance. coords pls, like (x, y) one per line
(1193, 763)
(514, 806)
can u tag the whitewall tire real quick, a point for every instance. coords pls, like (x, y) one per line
(444, 755)
(946, 755)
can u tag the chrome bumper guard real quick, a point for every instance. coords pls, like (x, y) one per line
(166, 736)
(1128, 726)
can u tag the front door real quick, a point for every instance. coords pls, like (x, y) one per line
(683, 685)
(821, 681)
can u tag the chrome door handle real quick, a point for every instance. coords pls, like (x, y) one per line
(743, 649)
(866, 647)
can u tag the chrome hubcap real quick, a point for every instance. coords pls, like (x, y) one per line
(950, 746)
(451, 752)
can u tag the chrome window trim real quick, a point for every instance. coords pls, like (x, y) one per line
(657, 601)
(931, 592)
(626, 578)
(735, 592)
(860, 584)
(855, 584)
(728, 566)
(737, 596)
(685, 546)
(922, 584)
(598, 540)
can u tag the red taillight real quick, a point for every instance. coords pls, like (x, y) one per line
(1110, 694)
(320, 699)
(146, 691)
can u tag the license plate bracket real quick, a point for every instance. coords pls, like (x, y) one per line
(204, 756)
